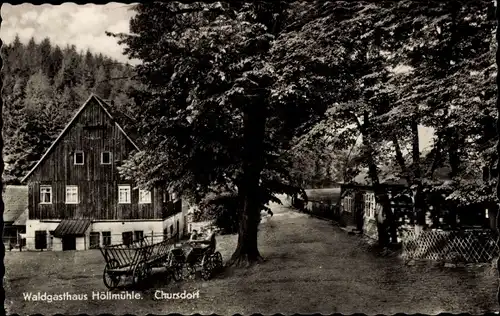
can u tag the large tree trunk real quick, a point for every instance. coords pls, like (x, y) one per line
(386, 228)
(453, 155)
(418, 197)
(415, 142)
(247, 252)
(400, 159)
(436, 160)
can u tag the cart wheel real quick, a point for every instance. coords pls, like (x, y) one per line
(138, 274)
(110, 278)
(217, 260)
(177, 270)
(148, 271)
(189, 271)
(207, 267)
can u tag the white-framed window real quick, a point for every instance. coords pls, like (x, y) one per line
(45, 194)
(370, 205)
(124, 194)
(79, 157)
(144, 196)
(106, 158)
(71, 194)
(348, 204)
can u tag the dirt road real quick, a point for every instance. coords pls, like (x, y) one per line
(311, 266)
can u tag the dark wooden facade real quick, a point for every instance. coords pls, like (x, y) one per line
(355, 217)
(92, 131)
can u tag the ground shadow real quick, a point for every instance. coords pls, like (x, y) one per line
(162, 278)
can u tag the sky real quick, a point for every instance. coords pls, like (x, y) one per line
(69, 23)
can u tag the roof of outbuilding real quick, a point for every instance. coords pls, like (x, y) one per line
(21, 220)
(15, 200)
(72, 227)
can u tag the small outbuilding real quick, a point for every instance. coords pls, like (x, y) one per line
(15, 214)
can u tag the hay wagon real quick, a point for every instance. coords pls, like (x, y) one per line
(138, 259)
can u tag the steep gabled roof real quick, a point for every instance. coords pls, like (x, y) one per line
(107, 110)
(122, 118)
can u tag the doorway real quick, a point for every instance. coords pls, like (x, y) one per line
(127, 238)
(69, 243)
(94, 240)
(40, 239)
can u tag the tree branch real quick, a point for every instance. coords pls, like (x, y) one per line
(358, 123)
(400, 159)
(437, 157)
(415, 150)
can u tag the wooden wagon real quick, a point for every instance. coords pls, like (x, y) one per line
(138, 259)
(206, 258)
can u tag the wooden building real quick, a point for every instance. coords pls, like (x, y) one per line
(358, 205)
(77, 199)
(15, 200)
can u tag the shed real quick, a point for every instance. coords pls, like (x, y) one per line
(358, 205)
(15, 214)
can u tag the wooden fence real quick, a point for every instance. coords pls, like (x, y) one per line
(468, 246)
(325, 209)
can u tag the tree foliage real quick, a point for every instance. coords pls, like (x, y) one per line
(255, 99)
(229, 86)
(432, 68)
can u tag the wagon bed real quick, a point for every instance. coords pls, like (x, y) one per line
(135, 259)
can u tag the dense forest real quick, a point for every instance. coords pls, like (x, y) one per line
(43, 85)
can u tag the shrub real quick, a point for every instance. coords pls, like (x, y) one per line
(225, 210)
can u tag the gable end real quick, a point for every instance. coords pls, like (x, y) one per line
(103, 106)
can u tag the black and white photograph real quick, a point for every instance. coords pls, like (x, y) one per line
(243, 157)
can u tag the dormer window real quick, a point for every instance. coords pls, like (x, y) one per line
(106, 158)
(79, 158)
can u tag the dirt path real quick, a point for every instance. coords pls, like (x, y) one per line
(325, 270)
(311, 266)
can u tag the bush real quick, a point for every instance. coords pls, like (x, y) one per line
(225, 210)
